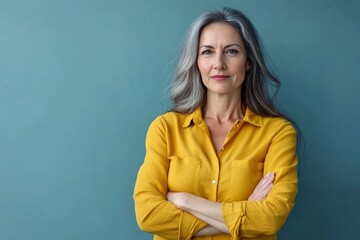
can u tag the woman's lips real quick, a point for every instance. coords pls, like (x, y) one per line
(220, 77)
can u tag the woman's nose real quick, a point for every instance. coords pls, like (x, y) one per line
(219, 62)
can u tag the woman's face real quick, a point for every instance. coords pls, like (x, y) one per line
(222, 60)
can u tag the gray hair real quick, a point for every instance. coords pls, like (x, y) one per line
(187, 90)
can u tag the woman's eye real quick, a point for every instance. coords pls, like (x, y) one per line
(206, 52)
(232, 51)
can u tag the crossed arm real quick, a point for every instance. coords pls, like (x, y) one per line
(211, 212)
(181, 215)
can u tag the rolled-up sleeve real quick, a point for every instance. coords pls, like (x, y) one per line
(248, 219)
(153, 212)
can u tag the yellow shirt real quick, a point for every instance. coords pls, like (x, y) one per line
(180, 157)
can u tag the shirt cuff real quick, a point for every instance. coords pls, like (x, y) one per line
(189, 226)
(233, 213)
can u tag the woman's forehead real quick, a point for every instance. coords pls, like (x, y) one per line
(219, 33)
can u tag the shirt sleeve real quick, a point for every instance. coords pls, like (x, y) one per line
(265, 217)
(153, 212)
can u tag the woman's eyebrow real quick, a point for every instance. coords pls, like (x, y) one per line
(227, 46)
(206, 46)
(233, 45)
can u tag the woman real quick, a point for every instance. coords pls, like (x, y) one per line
(221, 164)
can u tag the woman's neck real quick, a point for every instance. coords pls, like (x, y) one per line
(223, 108)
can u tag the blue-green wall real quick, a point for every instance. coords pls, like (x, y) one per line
(80, 80)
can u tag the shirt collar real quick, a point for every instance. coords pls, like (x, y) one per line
(196, 117)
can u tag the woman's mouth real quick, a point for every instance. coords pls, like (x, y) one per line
(220, 77)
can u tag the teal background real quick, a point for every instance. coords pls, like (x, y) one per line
(81, 80)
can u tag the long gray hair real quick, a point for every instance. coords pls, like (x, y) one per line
(187, 90)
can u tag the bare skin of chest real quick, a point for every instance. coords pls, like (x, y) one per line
(218, 132)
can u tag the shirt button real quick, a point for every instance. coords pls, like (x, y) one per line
(213, 181)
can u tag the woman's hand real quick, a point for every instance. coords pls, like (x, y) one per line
(263, 187)
(179, 199)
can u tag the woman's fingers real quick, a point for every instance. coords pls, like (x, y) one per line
(265, 181)
(263, 187)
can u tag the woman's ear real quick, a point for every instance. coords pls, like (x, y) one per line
(248, 65)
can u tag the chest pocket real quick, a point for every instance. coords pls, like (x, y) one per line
(183, 175)
(245, 175)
